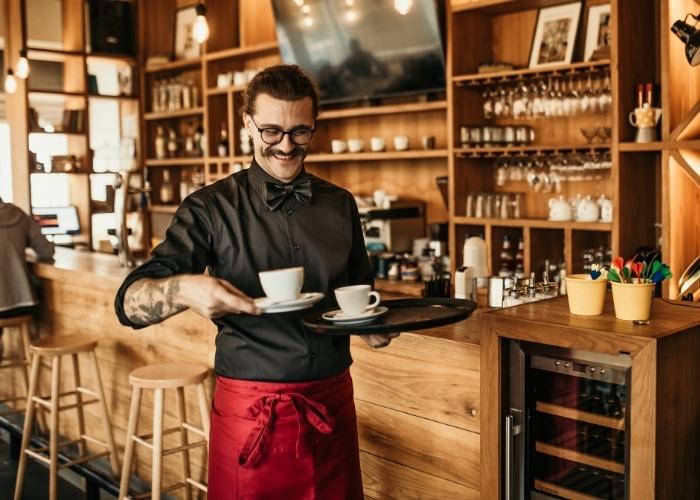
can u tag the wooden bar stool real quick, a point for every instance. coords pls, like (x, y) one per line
(53, 348)
(17, 360)
(160, 377)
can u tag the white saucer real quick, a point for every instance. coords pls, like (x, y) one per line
(304, 301)
(338, 317)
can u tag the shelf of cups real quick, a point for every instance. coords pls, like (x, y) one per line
(479, 79)
(377, 156)
(509, 150)
(536, 223)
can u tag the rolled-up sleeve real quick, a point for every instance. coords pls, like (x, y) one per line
(186, 249)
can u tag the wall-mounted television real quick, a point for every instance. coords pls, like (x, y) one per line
(363, 49)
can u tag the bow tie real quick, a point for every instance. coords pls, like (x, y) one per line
(276, 194)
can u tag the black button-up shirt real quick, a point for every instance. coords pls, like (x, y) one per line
(227, 228)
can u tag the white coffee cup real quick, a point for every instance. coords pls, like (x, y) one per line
(377, 144)
(354, 299)
(401, 142)
(282, 284)
(239, 78)
(338, 146)
(355, 145)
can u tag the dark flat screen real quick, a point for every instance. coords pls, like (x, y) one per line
(363, 49)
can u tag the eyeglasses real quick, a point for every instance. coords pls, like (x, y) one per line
(272, 135)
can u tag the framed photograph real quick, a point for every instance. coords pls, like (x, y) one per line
(555, 34)
(185, 45)
(598, 32)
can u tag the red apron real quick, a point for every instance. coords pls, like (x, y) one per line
(291, 440)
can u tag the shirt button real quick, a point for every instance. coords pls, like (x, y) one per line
(290, 212)
(297, 246)
(314, 355)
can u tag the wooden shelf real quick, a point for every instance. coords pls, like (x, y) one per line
(382, 110)
(536, 223)
(229, 159)
(56, 92)
(174, 65)
(165, 115)
(117, 58)
(163, 209)
(478, 79)
(52, 55)
(582, 458)
(72, 134)
(638, 147)
(581, 416)
(225, 90)
(114, 97)
(174, 162)
(416, 154)
(252, 50)
(545, 148)
(561, 491)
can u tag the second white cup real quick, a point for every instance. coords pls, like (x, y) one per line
(355, 299)
(282, 285)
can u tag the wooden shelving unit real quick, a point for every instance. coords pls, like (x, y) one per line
(377, 156)
(167, 115)
(173, 162)
(534, 223)
(518, 74)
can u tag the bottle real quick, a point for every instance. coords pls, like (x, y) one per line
(200, 140)
(189, 140)
(155, 96)
(222, 148)
(172, 143)
(197, 178)
(186, 90)
(166, 188)
(520, 259)
(194, 94)
(506, 269)
(160, 143)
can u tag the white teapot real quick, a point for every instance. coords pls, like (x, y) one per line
(587, 210)
(606, 208)
(559, 209)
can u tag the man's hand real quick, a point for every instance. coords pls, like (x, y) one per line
(150, 301)
(212, 297)
(379, 340)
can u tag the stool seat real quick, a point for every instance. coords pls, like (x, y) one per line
(60, 345)
(14, 321)
(168, 375)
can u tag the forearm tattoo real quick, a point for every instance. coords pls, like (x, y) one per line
(148, 301)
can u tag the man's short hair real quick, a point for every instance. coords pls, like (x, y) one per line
(287, 82)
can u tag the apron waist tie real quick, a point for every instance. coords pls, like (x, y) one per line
(264, 409)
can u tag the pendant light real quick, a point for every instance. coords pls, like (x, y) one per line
(403, 7)
(22, 69)
(689, 35)
(10, 82)
(200, 27)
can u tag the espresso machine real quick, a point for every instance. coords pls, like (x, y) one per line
(395, 225)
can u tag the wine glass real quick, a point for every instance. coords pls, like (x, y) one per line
(589, 133)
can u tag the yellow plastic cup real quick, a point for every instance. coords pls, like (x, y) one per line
(586, 295)
(633, 300)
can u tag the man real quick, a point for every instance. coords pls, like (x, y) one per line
(17, 232)
(283, 417)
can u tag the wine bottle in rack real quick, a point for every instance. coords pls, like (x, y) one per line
(222, 148)
(160, 143)
(166, 188)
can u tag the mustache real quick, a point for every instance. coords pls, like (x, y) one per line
(297, 151)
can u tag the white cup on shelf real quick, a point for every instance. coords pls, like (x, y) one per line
(338, 146)
(401, 142)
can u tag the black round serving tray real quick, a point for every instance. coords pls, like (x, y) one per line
(403, 315)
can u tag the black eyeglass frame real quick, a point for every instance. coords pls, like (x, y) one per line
(312, 131)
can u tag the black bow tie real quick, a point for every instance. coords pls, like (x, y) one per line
(276, 194)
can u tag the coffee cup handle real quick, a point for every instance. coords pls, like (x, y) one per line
(633, 119)
(378, 299)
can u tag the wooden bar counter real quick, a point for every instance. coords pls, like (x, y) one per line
(417, 400)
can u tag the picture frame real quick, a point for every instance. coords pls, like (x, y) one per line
(184, 46)
(598, 32)
(555, 35)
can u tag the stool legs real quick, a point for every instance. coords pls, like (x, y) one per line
(106, 426)
(79, 401)
(53, 436)
(181, 419)
(203, 410)
(27, 430)
(129, 445)
(157, 443)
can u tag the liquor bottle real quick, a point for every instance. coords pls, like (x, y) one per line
(166, 188)
(189, 140)
(172, 143)
(197, 178)
(186, 94)
(194, 93)
(520, 259)
(155, 96)
(199, 140)
(222, 149)
(160, 143)
(506, 269)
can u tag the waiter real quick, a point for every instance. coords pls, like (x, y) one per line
(283, 417)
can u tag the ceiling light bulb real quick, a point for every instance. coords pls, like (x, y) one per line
(200, 27)
(308, 21)
(403, 7)
(349, 3)
(22, 70)
(10, 82)
(306, 9)
(350, 16)
(299, 2)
